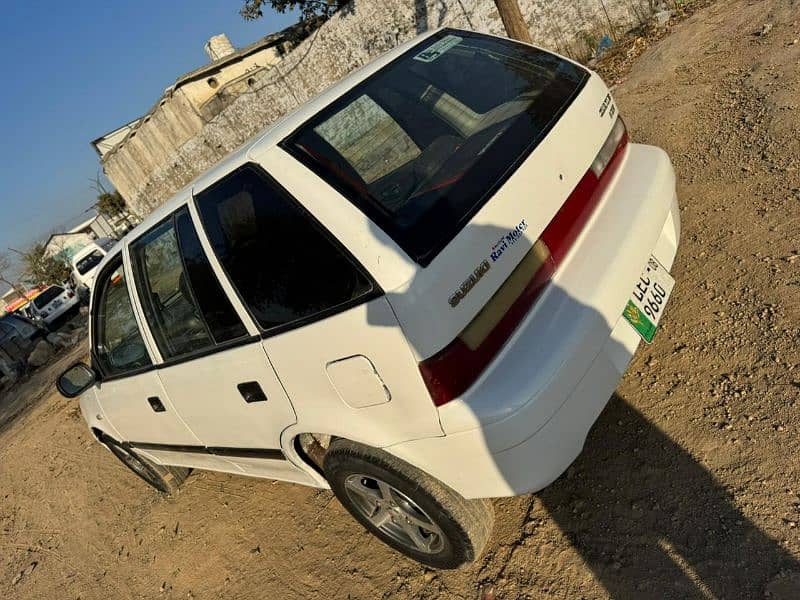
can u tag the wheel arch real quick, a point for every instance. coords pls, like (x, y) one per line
(299, 448)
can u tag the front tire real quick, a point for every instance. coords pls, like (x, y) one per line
(165, 479)
(406, 508)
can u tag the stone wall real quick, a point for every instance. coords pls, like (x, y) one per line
(353, 37)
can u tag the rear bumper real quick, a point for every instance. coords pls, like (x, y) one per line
(526, 419)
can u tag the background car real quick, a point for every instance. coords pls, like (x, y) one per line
(53, 303)
(85, 261)
(18, 337)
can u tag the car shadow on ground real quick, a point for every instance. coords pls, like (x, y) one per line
(652, 522)
(647, 518)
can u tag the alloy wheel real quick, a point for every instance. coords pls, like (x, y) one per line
(394, 513)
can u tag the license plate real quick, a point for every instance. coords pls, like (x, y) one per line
(648, 299)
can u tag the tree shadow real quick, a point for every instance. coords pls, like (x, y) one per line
(421, 13)
(424, 21)
(650, 521)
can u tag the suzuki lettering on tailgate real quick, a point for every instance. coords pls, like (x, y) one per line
(499, 247)
(469, 283)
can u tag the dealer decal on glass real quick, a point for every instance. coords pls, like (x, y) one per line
(434, 51)
(648, 299)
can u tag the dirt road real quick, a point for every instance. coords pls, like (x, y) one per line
(689, 485)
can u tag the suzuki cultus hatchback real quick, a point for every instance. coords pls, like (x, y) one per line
(419, 290)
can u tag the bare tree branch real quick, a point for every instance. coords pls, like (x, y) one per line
(309, 9)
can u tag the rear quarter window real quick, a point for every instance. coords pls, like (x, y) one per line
(285, 267)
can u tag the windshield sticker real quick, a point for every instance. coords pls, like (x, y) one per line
(436, 50)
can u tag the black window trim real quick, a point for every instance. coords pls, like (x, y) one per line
(349, 194)
(215, 347)
(102, 377)
(375, 292)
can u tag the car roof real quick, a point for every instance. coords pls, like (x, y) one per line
(268, 138)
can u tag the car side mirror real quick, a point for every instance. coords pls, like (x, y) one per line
(76, 380)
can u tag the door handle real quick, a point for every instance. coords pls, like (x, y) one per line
(156, 404)
(251, 392)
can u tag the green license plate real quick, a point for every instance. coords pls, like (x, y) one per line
(646, 304)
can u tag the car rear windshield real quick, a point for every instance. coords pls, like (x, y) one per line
(421, 145)
(47, 296)
(87, 263)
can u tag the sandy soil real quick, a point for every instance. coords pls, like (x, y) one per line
(688, 485)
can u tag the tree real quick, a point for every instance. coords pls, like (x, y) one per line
(40, 268)
(111, 204)
(513, 21)
(309, 9)
(6, 276)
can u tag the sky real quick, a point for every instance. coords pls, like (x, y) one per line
(76, 70)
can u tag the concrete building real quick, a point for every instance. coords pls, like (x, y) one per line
(131, 152)
(13, 300)
(67, 243)
(96, 226)
(192, 127)
(106, 143)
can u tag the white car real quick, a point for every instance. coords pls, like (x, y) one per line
(419, 290)
(86, 260)
(53, 303)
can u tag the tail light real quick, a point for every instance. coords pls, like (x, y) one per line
(452, 370)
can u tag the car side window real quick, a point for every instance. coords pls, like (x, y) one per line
(286, 268)
(118, 345)
(182, 300)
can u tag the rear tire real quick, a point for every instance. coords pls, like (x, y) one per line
(165, 479)
(406, 508)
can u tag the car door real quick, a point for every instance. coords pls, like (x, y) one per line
(214, 370)
(130, 393)
(326, 325)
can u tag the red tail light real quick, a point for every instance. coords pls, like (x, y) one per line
(452, 370)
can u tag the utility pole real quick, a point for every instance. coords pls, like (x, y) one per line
(515, 24)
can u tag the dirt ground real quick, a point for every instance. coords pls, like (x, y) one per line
(689, 485)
